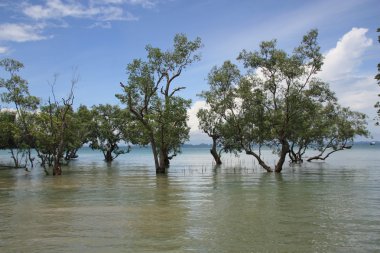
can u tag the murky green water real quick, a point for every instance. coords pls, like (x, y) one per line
(125, 207)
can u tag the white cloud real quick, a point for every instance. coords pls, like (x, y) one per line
(54, 9)
(21, 32)
(192, 113)
(196, 135)
(343, 59)
(57, 9)
(360, 94)
(354, 89)
(341, 70)
(3, 50)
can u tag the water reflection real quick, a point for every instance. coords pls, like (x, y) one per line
(160, 219)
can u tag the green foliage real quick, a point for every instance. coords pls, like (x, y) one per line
(279, 103)
(8, 130)
(152, 101)
(16, 87)
(16, 93)
(271, 93)
(109, 126)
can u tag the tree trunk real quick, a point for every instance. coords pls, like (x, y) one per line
(317, 157)
(214, 153)
(159, 170)
(295, 157)
(261, 162)
(166, 159)
(57, 170)
(15, 158)
(108, 156)
(71, 154)
(284, 152)
(321, 157)
(31, 159)
(162, 164)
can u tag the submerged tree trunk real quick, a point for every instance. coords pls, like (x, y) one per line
(108, 156)
(165, 157)
(30, 158)
(295, 158)
(162, 163)
(261, 162)
(321, 157)
(18, 155)
(57, 169)
(214, 152)
(71, 154)
(284, 152)
(159, 169)
(15, 158)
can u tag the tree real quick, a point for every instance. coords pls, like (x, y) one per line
(108, 129)
(219, 99)
(153, 102)
(51, 129)
(17, 93)
(270, 93)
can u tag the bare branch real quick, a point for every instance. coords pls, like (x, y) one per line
(175, 90)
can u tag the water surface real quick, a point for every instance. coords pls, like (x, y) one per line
(124, 207)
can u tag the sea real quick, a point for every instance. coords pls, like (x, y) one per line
(123, 206)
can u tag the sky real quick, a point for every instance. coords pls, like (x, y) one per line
(98, 38)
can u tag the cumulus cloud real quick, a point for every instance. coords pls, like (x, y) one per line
(192, 114)
(341, 70)
(21, 32)
(196, 135)
(343, 59)
(359, 94)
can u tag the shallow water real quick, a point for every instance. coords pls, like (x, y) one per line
(124, 207)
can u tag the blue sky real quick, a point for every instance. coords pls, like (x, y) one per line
(100, 37)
